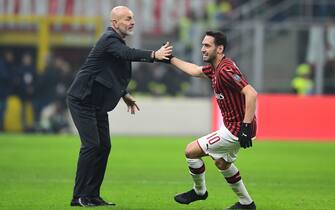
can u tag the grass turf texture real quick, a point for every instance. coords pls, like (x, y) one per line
(37, 172)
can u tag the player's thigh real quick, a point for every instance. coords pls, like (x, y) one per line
(219, 145)
(193, 150)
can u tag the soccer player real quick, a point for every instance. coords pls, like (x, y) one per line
(237, 101)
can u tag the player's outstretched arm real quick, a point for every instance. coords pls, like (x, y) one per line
(189, 68)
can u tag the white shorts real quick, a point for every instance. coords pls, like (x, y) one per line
(220, 144)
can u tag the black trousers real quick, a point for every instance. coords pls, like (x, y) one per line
(93, 128)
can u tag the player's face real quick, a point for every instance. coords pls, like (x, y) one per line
(208, 49)
(126, 23)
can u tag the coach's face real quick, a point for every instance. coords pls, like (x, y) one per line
(123, 21)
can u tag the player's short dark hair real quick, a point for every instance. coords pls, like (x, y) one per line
(219, 38)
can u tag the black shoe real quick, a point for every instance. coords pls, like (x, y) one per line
(238, 205)
(189, 197)
(86, 202)
(89, 202)
(103, 202)
(75, 202)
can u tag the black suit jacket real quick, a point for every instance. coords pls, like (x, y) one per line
(106, 73)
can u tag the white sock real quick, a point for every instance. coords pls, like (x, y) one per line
(197, 171)
(199, 185)
(234, 179)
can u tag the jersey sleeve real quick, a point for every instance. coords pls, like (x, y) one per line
(207, 70)
(233, 78)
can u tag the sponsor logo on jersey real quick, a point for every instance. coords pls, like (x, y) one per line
(237, 78)
(219, 96)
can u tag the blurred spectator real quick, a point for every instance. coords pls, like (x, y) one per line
(27, 73)
(177, 83)
(217, 12)
(65, 79)
(329, 67)
(236, 3)
(302, 83)
(54, 117)
(323, 9)
(151, 82)
(329, 76)
(6, 65)
(14, 79)
(161, 80)
(184, 31)
(279, 13)
(330, 39)
(45, 88)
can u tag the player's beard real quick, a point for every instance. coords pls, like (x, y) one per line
(210, 58)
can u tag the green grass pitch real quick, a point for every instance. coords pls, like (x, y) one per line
(37, 172)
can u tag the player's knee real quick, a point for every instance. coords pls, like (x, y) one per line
(222, 164)
(193, 150)
(189, 151)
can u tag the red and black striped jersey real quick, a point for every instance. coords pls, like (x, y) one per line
(227, 83)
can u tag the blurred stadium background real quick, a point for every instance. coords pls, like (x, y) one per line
(285, 47)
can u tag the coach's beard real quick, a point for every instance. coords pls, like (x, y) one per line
(129, 33)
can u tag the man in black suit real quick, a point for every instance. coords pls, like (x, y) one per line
(97, 89)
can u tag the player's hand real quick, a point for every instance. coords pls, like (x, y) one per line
(164, 54)
(131, 103)
(167, 61)
(244, 136)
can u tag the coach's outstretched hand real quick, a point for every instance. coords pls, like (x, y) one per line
(131, 103)
(164, 54)
(244, 136)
